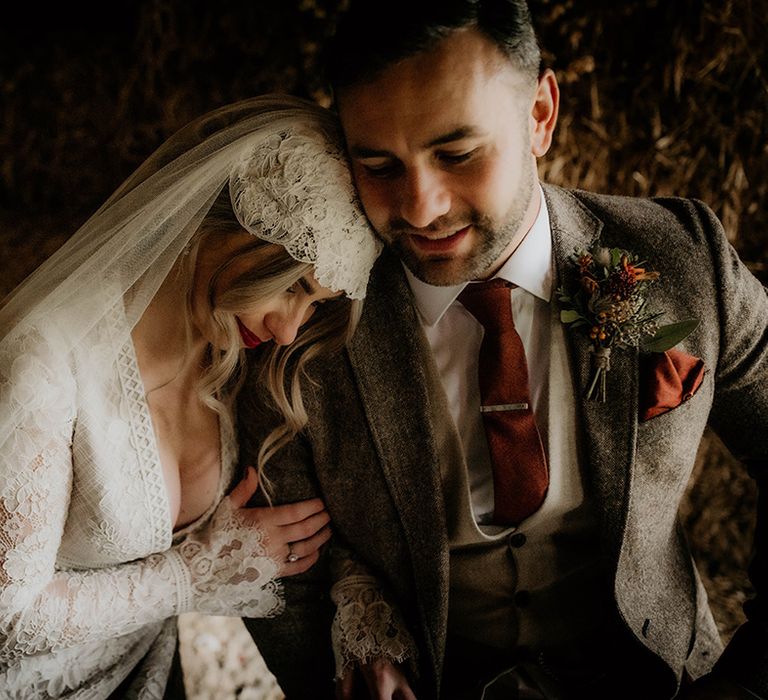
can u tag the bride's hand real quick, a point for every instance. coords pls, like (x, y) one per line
(293, 533)
(383, 681)
(234, 561)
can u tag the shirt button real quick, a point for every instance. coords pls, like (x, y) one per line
(517, 540)
(522, 599)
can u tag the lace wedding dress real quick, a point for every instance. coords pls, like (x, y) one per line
(91, 574)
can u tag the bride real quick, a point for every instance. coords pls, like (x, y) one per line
(120, 359)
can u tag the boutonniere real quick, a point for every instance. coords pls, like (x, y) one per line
(608, 301)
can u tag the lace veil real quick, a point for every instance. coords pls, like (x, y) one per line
(125, 250)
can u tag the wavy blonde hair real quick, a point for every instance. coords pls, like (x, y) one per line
(282, 368)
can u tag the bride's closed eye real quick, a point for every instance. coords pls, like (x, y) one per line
(300, 285)
(303, 286)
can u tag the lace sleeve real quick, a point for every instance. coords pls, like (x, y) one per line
(366, 626)
(221, 568)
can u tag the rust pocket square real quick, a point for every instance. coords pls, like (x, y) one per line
(666, 380)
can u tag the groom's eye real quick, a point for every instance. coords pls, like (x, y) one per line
(383, 169)
(452, 158)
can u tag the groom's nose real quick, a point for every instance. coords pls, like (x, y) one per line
(424, 197)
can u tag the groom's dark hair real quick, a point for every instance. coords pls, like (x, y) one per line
(375, 34)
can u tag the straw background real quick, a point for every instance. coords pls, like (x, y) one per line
(658, 97)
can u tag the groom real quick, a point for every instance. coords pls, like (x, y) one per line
(548, 564)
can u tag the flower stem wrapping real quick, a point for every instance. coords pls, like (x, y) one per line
(601, 363)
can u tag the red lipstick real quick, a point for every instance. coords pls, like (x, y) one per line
(249, 339)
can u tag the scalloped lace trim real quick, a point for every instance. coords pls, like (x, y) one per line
(366, 627)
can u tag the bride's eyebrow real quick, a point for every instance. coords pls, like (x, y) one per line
(307, 286)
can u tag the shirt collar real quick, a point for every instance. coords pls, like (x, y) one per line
(529, 267)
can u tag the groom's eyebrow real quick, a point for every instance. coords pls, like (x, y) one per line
(463, 132)
(361, 152)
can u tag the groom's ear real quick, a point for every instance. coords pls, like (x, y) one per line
(546, 103)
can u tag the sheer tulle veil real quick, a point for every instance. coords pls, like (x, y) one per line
(123, 253)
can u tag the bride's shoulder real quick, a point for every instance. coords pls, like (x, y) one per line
(57, 332)
(36, 380)
(36, 349)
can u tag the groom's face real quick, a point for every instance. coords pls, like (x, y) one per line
(441, 150)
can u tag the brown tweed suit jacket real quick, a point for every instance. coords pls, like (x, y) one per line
(370, 451)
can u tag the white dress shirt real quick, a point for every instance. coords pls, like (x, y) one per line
(455, 337)
(564, 600)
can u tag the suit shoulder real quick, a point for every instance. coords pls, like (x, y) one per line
(654, 217)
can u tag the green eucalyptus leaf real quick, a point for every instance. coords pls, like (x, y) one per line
(670, 335)
(616, 256)
(569, 316)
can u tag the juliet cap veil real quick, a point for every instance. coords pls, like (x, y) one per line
(282, 158)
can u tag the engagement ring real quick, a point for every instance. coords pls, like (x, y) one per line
(292, 556)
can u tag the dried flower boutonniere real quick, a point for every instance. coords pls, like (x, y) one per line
(608, 301)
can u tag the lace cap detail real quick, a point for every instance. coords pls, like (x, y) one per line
(294, 188)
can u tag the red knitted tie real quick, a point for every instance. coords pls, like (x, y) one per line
(520, 475)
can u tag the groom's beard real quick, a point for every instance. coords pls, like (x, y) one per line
(490, 241)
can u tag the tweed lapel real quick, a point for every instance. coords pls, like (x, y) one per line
(609, 430)
(389, 360)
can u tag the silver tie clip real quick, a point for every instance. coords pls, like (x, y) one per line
(504, 407)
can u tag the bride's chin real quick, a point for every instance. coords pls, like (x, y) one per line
(219, 341)
(206, 331)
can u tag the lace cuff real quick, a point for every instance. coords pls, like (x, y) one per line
(366, 627)
(224, 569)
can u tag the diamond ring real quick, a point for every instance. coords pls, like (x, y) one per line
(292, 556)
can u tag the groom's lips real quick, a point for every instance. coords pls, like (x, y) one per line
(440, 245)
(250, 339)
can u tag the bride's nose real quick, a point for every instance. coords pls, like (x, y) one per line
(284, 325)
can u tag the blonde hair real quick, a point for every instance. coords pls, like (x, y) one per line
(282, 368)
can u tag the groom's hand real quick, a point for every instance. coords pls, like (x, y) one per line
(378, 680)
